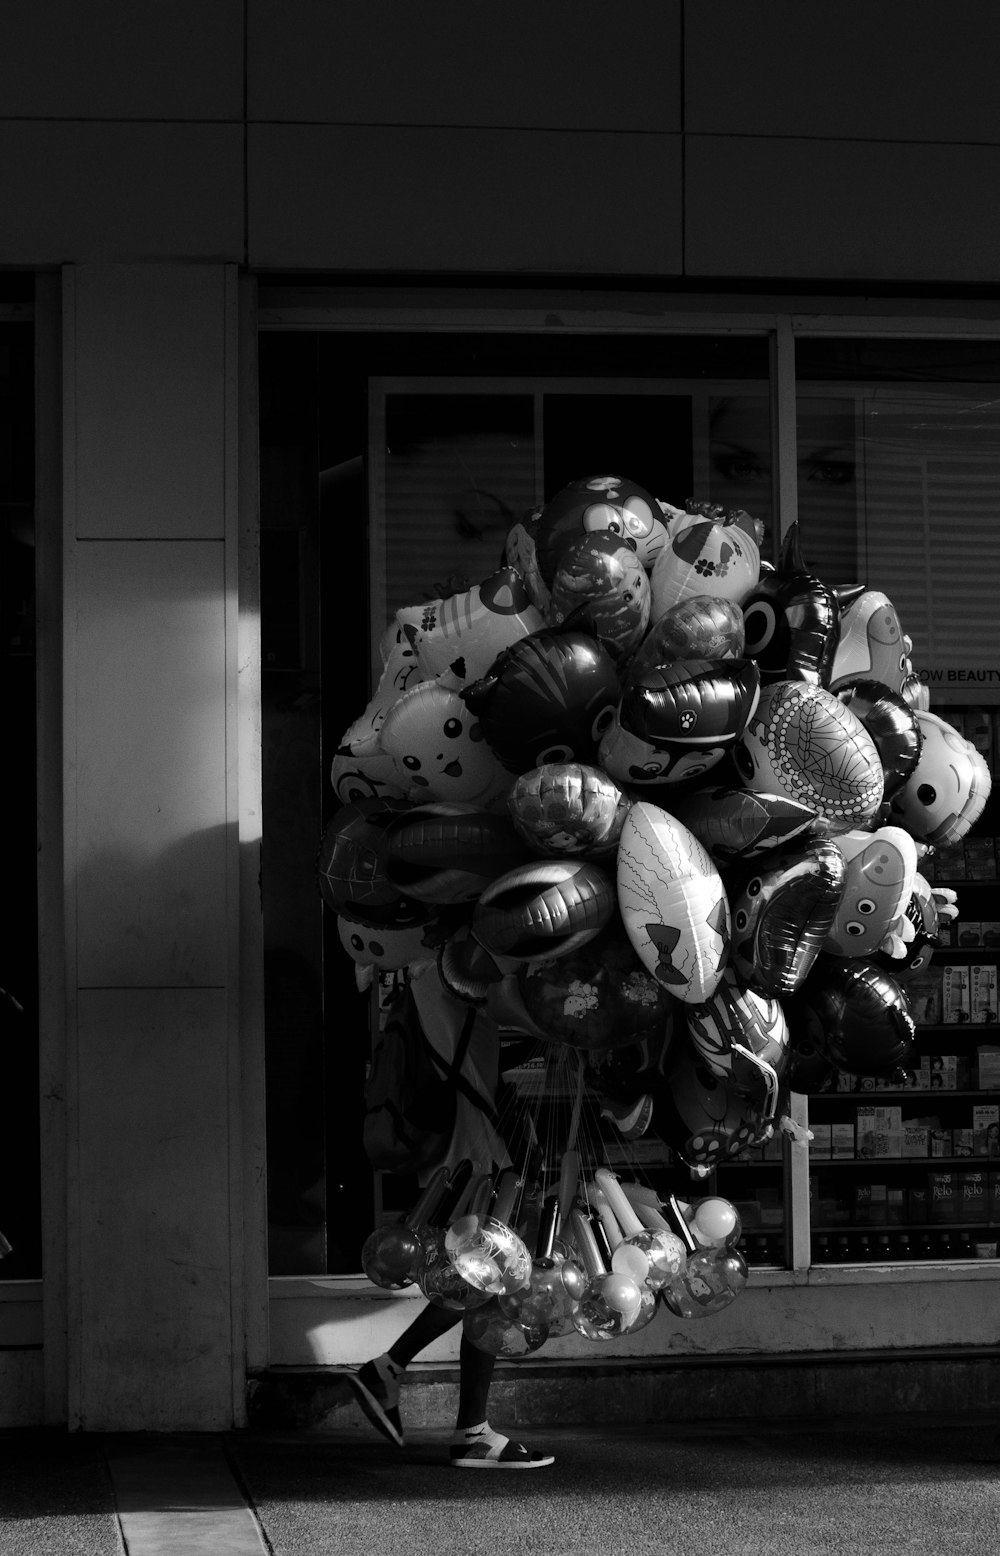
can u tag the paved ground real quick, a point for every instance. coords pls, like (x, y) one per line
(914, 1485)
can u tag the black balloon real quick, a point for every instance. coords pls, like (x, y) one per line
(782, 908)
(893, 726)
(856, 1015)
(790, 620)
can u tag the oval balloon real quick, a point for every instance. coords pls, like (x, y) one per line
(703, 1118)
(739, 824)
(568, 808)
(601, 587)
(880, 871)
(946, 792)
(893, 726)
(699, 627)
(857, 1015)
(802, 742)
(672, 903)
(782, 908)
(544, 909)
(549, 698)
(598, 997)
(352, 866)
(742, 1037)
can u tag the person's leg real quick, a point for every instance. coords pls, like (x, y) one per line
(476, 1445)
(376, 1384)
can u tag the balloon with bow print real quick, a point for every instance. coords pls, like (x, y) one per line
(672, 903)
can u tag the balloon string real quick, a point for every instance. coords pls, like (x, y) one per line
(574, 1122)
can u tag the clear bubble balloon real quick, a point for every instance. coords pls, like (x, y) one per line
(711, 1280)
(609, 1307)
(652, 1258)
(392, 1255)
(493, 1258)
(493, 1331)
(716, 1222)
(444, 1286)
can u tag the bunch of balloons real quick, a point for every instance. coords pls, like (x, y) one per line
(639, 784)
(606, 1254)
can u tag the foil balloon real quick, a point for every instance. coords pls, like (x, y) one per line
(352, 866)
(439, 749)
(598, 997)
(946, 792)
(364, 775)
(549, 698)
(739, 824)
(473, 627)
(544, 909)
(400, 671)
(601, 587)
(447, 852)
(783, 906)
(870, 643)
(790, 620)
(598, 504)
(892, 724)
(704, 556)
(672, 903)
(704, 1119)
(567, 808)
(699, 627)
(680, 721)
(927, 908)
(387, 947)
(521, 553)
(881, 867)
(857, 1016)
(742, 1037)
(802, 742)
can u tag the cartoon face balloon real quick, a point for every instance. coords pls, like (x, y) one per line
(595, 503)
(946, 792)
(870, 644)
(601, 586)
(701, 1117)
(678, 721)
(783, 906)
(742, 1036)
(389, 948)
(439, 748)
(803, 742)
(880, 870)
(672, 903)
(549, 698)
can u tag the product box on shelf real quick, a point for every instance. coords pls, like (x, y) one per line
(948, 862)
(944, 1072)
(969, 936)
(991, 933)
(972, 1195)
(916, 1204)
(924, 996)
(980, 859)
(861, 1213)
(988, 1067)
(941, 1141)
(895, 1205)
(821, 1144)
(962, 1142)
(879, 1132)
(984, 992)
(916, 1139)
(842, 1142)
(956, 997)
(986, 1129)
(993, 1197)
(942, 1197)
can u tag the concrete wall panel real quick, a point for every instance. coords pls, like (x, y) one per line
(845, 209)
(155, 1344)
(149, 761)
(894, 71)
(150, 402)
(113, 59)
(557, 66)
(463, 200)
(78, 191)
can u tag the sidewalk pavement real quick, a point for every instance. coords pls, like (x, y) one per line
(917, 1484)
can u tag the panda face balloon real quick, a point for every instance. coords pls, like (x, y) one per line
(594, 503)
(946, 792)
(549, 698)
(880, 871)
